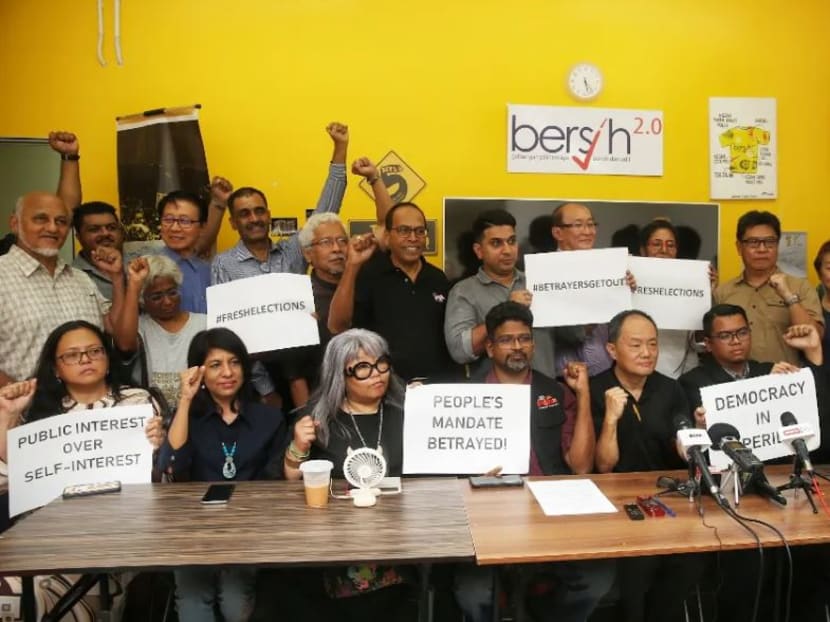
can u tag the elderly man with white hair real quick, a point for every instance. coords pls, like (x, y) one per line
(38, 290)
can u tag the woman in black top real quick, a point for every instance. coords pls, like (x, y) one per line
(221, 433)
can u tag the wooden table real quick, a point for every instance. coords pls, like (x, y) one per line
(509, 527)
(164, 526)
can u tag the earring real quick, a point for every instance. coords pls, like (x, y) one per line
(58, 378)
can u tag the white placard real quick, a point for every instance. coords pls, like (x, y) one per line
(567, 497)
(792, 253)
(743, 160)
(584, 141)
(268, 312)
(577, 287)
(674, 292)
(466, 428)
(754, 407)
(83, 447)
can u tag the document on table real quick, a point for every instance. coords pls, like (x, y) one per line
(570, 496)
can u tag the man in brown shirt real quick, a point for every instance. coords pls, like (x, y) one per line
(773, 301)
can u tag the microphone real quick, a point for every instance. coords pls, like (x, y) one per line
(793, 435)
(726, 438)
(694, 441)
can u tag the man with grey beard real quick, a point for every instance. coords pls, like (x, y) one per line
(39, 291)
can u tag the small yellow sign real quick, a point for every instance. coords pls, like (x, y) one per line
(400, 180)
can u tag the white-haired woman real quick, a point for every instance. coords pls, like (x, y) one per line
(358, 403)
(163, 330)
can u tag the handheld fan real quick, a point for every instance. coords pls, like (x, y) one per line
(364, 468)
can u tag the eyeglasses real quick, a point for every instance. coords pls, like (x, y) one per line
(726, 336)
(75, 356)
(159, 296)
(589, 225)
(756, 243)
(363, 370)
(330, 242)
(662, 244)
(405, 231)
(183, 221)
(507, 341)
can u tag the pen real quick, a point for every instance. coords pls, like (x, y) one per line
(668, 510)
(636, 411)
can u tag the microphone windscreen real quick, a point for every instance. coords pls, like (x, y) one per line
(787, 418)
(719, 431)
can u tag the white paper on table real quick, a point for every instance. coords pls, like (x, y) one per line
(570, 496)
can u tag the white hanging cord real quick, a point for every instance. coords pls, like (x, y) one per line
(117, 11)
(101, 58)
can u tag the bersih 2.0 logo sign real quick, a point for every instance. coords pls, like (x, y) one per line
(584, 141)
(400, 180)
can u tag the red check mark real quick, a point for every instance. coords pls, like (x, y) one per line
(583, 163)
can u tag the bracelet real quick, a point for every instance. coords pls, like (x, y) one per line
(373, 180)
(791, 300)
(294, 464)
(296, 453)
(71, 157)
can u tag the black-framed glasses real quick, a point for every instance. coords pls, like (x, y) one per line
(159, 296)
(726, 336)
(76, 356)
(363, 370)
(183, 221)
(507, 341)
(590, 224)
(405, 231)
(330, 242)
(756, 243)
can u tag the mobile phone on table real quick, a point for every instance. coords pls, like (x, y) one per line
(217, 494)
(495, 481)
(633, 511)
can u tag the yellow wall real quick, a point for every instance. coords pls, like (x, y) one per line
(429, 79)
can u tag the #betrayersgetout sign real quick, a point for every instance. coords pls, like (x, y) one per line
(584, 141)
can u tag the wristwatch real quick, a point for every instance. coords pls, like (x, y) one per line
(791, 300)
(74, 157)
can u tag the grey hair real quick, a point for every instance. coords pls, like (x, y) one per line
(306, 234)
(18, 208)
(160, 267)
(331, 390)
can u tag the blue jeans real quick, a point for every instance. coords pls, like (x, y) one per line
(580, 586)
(198, 591)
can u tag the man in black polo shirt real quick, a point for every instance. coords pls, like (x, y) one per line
(633, 407)
(398, 295)
(728, 340)
(562, 442)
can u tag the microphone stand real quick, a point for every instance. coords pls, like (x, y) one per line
(733, 476)
(799, 482)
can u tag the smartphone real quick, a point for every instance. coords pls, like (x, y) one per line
(218, 493)
(495, 481)
(633, 511)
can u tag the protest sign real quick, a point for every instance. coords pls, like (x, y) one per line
(674, 292)
(754, 407)
(467, 428)
(268, 312)
(81, 447)
(577, 287)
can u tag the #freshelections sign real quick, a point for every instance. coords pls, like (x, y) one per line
(466, 428)
(84, 447)
(754, 407)
(577, 287)
(584, 141)
(674, 292)
(268, 312)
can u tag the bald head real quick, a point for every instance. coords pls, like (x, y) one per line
(41, 223)
(574, 227)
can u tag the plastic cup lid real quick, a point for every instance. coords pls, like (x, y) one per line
(316, 466)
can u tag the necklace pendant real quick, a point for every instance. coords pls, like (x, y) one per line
(229, 468)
